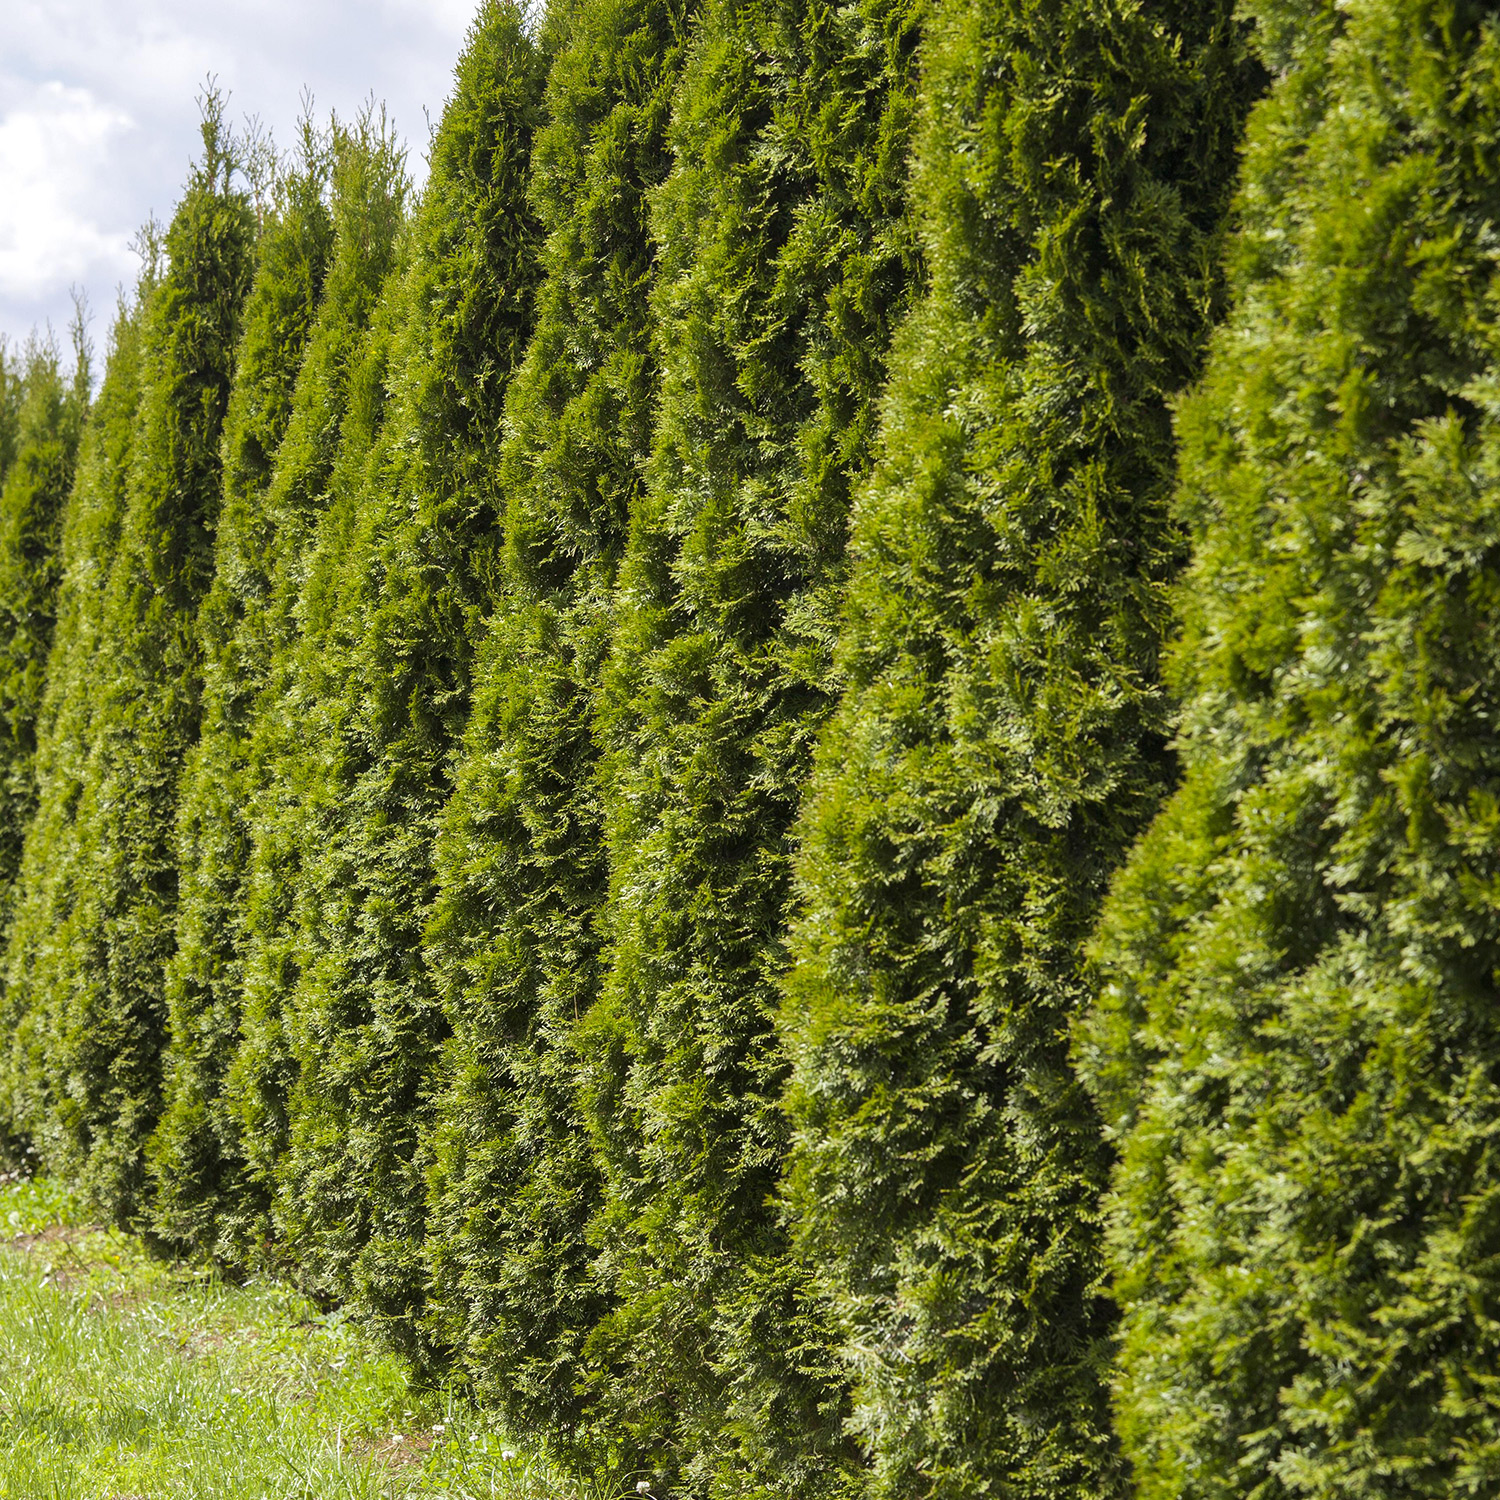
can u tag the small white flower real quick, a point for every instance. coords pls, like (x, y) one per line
(507, 1454)
(643, 1487)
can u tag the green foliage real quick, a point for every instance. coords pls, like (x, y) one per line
(521, 861)
(560, 754)
(96, 987)
(1001, 735)
(286, 729)
(1296, 1046)
(12, 394)
(35, 490)
(400, 579)
(785, 263)
(320, 266)
(43, 926)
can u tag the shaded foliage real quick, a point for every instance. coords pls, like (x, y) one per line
(35, 490)
(42, 928)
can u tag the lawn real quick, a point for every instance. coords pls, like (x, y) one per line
(125, 1378)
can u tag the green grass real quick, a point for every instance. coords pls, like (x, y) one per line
(126, 1378)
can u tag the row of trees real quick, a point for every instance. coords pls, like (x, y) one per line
(802, 772)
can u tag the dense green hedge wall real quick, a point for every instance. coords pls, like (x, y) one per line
(1297, 1041)
(1001, 737)
(44, 921)
(784, 263)
(586, 764)
(101, 1043)
(522, 872)
(398, 590)
(49, 420)
(322, 482)
(322, 259)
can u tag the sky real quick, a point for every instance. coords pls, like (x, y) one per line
(99, 119)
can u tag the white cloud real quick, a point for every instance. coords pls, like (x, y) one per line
(50, 233)
(98, 120)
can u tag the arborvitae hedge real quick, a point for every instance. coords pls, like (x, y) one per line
(288, 729)
(102, 991)
(785, 262)
(394, 605)
(815, 669)
(320, 266)
(1001, 737)
(521, 863)
(1298, 1043)
(35, 490)
(44, 926)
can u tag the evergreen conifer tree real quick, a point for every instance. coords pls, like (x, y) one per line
(521, 869)
(396, 595)
(288, 378)
(1001, 737)
(34, 493)
(785, 263)
(103, 988)
(50, 880)
(288, 726)
(1297, 1041)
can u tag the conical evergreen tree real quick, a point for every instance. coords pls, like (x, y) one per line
(1297, 1045)
(51, 878)
(104, 988)
(32, 499)
(397, 593)
(287, 726)
(1001, 737)
(289, 379)
(521, 863)
(786, 261)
